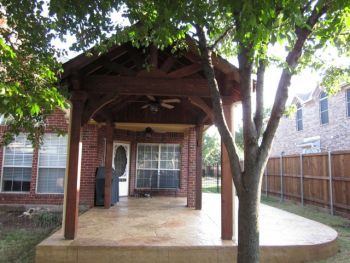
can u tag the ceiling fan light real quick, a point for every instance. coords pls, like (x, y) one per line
(154, 107)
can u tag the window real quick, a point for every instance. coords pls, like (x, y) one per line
(17, 168)
(348, 102)
(52, 164)
(324, 108)
(299, 118)
(158, 166)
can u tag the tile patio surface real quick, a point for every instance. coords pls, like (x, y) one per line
(162, 229)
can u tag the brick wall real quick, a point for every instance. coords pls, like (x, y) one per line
(191, 183)
(93, 143)
(55, 121)
(334, 136)
(89, 163)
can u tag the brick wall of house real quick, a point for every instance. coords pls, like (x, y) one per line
(55, 121)
(89, 163)
(138, 137)
(93, 147)
(334, 136)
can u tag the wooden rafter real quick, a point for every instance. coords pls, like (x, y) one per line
(200, 103)
(147, 86)
(154, 56)
(95, 105)
(99, 63)
(185, 71)
(167, 64)
(118, 68)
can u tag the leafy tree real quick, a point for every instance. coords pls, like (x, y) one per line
(247, 29)
(28, 69)
(211, 152)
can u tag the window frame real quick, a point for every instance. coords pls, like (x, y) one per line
(48, 167)
(320, 110)
(17, 166)
(347, 102)
(159, 168)
(299, 108)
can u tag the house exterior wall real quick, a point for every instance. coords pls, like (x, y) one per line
(93, 146)
(334, 136)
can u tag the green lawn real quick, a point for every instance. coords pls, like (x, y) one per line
(18, 245)
(341, 225)
(19, 235)
(211, 189)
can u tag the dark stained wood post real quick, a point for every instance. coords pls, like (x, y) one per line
(71, 204)
(199, 137)
(227, 212)
(108, 164)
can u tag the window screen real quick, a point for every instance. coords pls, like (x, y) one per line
(324, 108)
(158, 166)
(17, 170)
(52, 164)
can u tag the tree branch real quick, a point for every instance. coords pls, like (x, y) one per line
(220, 121)
(282, 90)
(259, 113)
(217, 41)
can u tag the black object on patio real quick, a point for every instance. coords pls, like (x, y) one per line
(100, 186)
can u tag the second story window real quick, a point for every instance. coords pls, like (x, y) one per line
(324, 108)
(299, 117)
(348, 102)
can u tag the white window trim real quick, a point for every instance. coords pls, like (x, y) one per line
(319, 106)
(158, 170)
(296, 118)
(2, 174)
(37, 174)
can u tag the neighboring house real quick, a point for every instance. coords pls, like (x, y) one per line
(321, 123)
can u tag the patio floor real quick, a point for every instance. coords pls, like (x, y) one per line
(162, 229)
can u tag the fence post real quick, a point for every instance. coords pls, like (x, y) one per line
(281, 172)
(217, 177)
(301, 180)
(330, 182)
(266, 179)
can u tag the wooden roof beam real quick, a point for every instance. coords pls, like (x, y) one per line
(185, 71)
(198, 102)
(147, 86)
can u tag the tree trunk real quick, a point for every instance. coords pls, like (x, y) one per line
(248, 224)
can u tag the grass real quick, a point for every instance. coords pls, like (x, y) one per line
(340, 224)
(20, 235)
(211, 189)
(18, 245)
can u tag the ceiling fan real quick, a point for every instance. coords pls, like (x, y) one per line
(155, 103)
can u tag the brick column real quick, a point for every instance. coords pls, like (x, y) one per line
(199, 142)
(192, 171)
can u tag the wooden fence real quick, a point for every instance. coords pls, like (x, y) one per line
(321, 179)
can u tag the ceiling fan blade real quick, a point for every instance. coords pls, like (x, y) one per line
(168, 106)
(152, 98)
(171, 100)
(145, 106)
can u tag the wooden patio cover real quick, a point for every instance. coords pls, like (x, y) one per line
(111, 88)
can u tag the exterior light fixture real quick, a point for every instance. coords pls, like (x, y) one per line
(148, 132)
